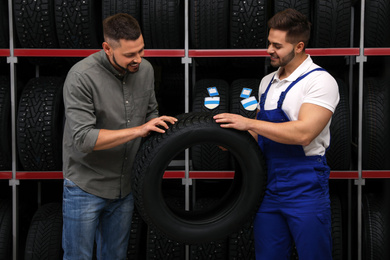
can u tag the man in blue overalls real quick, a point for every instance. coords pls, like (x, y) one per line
(292, 128)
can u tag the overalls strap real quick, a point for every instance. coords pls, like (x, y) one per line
(284, 93)
(264, 95)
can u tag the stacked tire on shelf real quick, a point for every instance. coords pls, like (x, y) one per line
(4, 35)
(5, 229)
(375, 140)
(5, 127)
(215, 24)
(5, 164)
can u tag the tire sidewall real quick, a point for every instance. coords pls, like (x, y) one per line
(219, 223)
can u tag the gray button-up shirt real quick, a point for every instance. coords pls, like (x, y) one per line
(97, 97)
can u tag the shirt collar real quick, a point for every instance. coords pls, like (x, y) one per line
(305, 65)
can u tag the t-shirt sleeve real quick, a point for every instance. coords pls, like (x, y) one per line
(323, 91)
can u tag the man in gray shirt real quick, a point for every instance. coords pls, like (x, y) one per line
(109, 105)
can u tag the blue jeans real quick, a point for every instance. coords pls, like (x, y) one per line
(88, 217)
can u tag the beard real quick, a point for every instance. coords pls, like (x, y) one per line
(116, 63)
(283, 61)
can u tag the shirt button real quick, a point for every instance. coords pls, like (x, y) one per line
(127, 102)
(123, 83)
(128, 121)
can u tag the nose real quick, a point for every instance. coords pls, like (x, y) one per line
(137, 58)
(270, 49)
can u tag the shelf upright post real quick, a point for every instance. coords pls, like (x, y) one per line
(350, 98)
(12, 60)
(360, 182)
(186, 61)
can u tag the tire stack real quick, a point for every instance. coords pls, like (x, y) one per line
(375, 144)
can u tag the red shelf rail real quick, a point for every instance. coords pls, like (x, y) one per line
(376, 51)
(50, 175)
(5, 175)
(192, 53)
(4, 53)
(26, 175)
(263, 52)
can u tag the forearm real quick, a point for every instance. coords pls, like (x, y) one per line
(111, 138)
(292, 132)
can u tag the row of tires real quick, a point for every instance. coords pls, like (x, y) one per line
(40, 116)
(40, 124)
(44, 236)
(213, 24)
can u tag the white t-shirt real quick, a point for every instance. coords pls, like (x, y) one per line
(318, 88)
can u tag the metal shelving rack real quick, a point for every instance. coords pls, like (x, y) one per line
(360, 54)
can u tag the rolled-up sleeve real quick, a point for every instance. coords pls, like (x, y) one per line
(153, 108)
(80, 113)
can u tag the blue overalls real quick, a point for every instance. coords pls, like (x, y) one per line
(296, 204)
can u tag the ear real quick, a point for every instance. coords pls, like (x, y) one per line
(299, 47)
(107, 48)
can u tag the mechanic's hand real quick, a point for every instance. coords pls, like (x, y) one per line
(157, 125)
(227, 120)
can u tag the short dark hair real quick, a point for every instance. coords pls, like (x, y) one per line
(294, 23)
(121, 26)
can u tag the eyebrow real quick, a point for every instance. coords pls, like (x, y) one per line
(132, 53)
(275, 43)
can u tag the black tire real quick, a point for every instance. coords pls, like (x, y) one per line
(78, 24)
(242, 244)
(338, 155)
(209, 28)
(5, 229)
(376, 124)
(376, 26)
(200, 92)
(131, 7)
(236, 87)
(209, 156)
(162, 22)
(35, 24)
(302, 6)
(331, 23)
(35, 27)
(4, 27)
(374, 227)
(44, 239)
(236, 107)
(136, 249)
(216, 250)
(202, 226)
(40, 125)
(5, 124)
(248, 30)
(209, 24)
(248, 24)
(160, 247)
